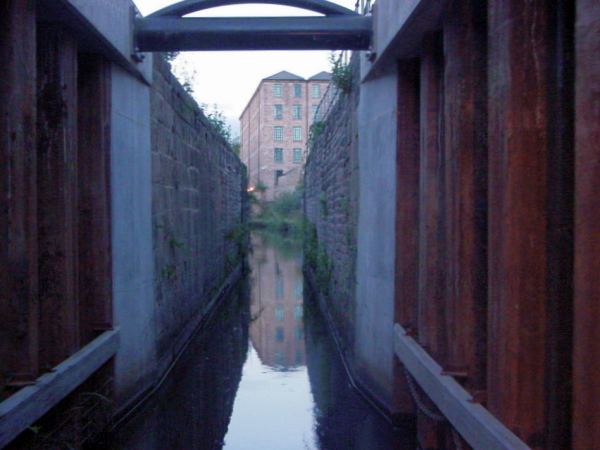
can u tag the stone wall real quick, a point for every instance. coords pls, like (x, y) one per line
(331, 208)
(197, 208)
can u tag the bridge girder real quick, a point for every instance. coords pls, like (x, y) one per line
(339, 28)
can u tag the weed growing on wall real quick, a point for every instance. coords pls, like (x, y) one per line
(218, 122)
(316, 129)
(316, 258)
(341, 73)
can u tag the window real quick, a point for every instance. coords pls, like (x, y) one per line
(298, 312)
(279, 288)
(299, 333)
(314, 111)
(279, 334)
(297, 90)
(279, 312)
(278, 155)
(297, 111)
(297, 133)
(278, 112)
(277, 90)
(278, 133)
(297, 155)
(316, 90)
(298, 289)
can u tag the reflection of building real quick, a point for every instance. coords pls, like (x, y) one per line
(275, 126)
(277, 332)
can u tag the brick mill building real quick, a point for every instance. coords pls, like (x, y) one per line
(274, 129)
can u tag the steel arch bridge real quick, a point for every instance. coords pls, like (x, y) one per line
(338, 28)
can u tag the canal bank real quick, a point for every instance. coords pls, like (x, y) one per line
(265, 374)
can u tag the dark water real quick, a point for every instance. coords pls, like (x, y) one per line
(265, 376)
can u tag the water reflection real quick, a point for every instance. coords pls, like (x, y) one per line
(343, 419)
(274, 407)
(277, 330)
(192, 409)
(265, 377)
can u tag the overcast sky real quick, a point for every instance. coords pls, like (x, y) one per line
(229, 79)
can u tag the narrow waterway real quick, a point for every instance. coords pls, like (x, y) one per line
(264, 376)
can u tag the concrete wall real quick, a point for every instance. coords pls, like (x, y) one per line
(113, 20)
(197, 196)
(133, 266)
(375, 266)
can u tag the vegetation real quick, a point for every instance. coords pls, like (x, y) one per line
(341, 73)
(218, 121)
(316, 258)
(316, 129)
(283, 215)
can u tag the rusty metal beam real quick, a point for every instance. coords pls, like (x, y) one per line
(95, 262)
(57, 194)
(18, 195)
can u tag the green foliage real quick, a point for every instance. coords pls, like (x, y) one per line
(261, 187)
(175, 244)
(316, 258)
(218, 122)
(283, 215)
(240, 235)
(169, 272)
(316, 129)
(341, 74)
(252, 198)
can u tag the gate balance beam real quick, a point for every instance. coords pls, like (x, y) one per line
(167, 34)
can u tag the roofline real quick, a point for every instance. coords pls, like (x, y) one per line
(304, 80)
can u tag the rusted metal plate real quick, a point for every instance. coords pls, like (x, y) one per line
(431, 308)
(95, 258)
(465, 190)
(407, 214)
(57, 195)
(586, 418)
(407, 198)
(518, 159)
(432, 326)
(18, 217)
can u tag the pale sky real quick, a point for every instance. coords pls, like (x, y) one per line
(229, 79)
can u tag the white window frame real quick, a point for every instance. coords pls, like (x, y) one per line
(278, 133)
(316, 91)
(297, 112)
(297, 134)
(297, 151)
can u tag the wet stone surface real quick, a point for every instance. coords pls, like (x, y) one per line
(265, 376)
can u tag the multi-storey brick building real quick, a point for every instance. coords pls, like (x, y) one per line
(274, 129)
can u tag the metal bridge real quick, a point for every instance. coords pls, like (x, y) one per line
(338, 28)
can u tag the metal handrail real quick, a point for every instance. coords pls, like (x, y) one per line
(477, 426)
